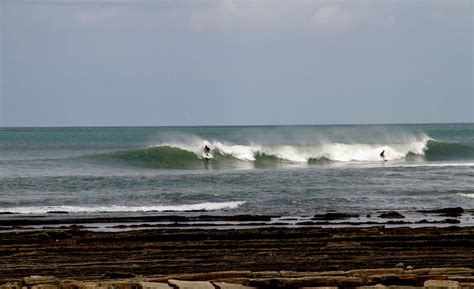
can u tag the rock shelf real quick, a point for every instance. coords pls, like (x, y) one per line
(431, 278)
(259, 257)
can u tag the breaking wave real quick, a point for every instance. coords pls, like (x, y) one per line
(209, 206)
(466, 195)
(188, 155)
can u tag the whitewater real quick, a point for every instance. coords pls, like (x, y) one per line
(282, 170)
(340, 152)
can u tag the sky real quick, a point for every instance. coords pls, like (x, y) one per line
(229, 62)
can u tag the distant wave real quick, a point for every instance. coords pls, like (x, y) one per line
(466, 195)
(182, 155)
(208, 206)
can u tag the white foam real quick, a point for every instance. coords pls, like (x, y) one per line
(209, 206)
(195, 145)
(341, 152)
(466, 195)
(287, 152)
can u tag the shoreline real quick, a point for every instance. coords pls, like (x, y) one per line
(110, 222)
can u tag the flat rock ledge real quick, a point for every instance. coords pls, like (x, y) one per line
(432, 278)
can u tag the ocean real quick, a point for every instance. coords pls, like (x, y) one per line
(289, 171)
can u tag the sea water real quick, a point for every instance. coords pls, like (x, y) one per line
(272, 170)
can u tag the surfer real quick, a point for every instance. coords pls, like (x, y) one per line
(382, 155)
(206, 150)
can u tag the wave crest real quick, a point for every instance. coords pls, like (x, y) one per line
(304, 153)
(189, 155)
(209, 206)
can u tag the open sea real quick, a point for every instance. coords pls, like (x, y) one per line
(271, 170)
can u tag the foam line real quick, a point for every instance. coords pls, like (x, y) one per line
(209, 206)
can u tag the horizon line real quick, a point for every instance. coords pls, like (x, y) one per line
(233, 125)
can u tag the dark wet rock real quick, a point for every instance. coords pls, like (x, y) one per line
(398, 223)
(239, 218)
(448, 212)
(117, 275)
(142, 219)
(193, 224)
(397, 280)
(334, 216)
(368, 216)
(424, 221)
(57, 212)
(196, 211)
(391, 215)
(75, 227)
(451, 221)
(6, 213)
(445, 221)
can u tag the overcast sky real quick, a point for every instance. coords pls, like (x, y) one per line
(103, 63)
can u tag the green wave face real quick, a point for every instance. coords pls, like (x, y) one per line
(166, 157)
(444, 151)
(156, 157)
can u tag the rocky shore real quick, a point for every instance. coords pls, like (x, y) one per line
(123, 222)
(455, 278)
(259, 257)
